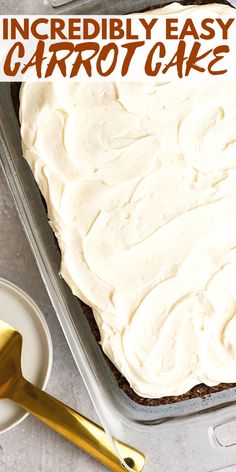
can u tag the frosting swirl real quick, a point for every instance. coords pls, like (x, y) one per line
(139, 181)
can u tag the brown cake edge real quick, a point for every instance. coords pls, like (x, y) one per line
(200, 390)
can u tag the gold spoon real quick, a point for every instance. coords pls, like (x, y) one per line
(76, 428)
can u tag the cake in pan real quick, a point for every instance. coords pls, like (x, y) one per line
(139, 182)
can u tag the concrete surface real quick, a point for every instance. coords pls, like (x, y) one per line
(31, 446)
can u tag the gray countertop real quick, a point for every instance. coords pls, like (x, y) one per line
(33, 447)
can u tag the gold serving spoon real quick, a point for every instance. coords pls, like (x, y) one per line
(76, 428)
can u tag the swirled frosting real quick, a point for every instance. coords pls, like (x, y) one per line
(140, 183)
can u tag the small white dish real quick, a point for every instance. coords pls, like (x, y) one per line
(20, 311)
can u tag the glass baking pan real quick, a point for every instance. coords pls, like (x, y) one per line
(105, 7)
(109, 400)
(114, 7)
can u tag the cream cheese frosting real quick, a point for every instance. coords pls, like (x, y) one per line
(139, 179)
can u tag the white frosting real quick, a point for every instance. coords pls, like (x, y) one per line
(140, 182)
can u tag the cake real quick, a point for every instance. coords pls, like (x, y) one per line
(139, 185)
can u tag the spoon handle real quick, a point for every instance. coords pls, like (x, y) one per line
(76, 428)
